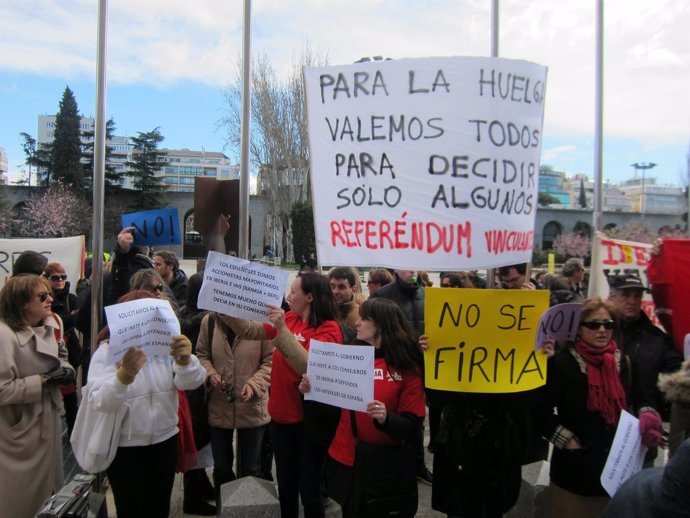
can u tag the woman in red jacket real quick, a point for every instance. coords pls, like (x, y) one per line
(393, 417)
(299, 458)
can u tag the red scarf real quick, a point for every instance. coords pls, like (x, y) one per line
(606, 394)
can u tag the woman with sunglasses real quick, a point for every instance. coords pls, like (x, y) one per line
(33, 365)
(586, 385)
(65, 305)
(151, 281)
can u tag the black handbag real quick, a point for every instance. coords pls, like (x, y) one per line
(385, 479)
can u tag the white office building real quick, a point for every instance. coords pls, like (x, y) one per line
(178, 169)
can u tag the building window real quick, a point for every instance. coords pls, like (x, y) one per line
(551, 230)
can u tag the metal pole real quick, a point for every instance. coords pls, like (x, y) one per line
(598, 130)
(490, 272)
(246, 125)
(98, 175)
(598, 115)
(494, 29)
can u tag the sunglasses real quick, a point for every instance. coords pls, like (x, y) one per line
(596, 324)
(43, 296)
(157, 287)
(58, 277)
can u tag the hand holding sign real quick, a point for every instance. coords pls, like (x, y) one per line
(242, 289)
(154, 227)
(147, 324)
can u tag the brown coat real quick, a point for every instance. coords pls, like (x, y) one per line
(30, 423)
(241, 362)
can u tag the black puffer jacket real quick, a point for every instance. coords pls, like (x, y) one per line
(410, 298)
(651, 353)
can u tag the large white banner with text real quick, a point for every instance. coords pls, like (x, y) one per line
(68, 251)
(428, 163)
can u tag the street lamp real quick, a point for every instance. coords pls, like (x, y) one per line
(643, 166)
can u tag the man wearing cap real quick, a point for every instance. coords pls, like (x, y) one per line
(650, 350)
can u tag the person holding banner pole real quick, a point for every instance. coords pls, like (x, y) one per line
(300, 435)
(578, 410)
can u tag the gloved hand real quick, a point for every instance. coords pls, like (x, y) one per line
(132, 362)
(650, 429)
(60, 376)
(181, 350)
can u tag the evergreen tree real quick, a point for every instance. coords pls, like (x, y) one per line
(303, 237)
(65, 156)
(37, 156)
(113, 179)
(146, 163)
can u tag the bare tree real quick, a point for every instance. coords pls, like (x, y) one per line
(279, 147)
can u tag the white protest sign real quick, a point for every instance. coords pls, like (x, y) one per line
(560, 322)
(147, 323)
(68, 251)
(431, 162)
(341, 375)
(240, 288)
(626, 456)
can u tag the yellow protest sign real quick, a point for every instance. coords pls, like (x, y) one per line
(483, 340)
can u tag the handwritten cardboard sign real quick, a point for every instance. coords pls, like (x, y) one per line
(626, 456)
(154, 227)
(560, 322)
(240, 288)
(483, 340)
(430, 162)
(68, 251)
(147, 323)
(341, 375)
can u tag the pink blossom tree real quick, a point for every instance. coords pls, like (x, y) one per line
(56, 212)
(640, 233)
(572, 244)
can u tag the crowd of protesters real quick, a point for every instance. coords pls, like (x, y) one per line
(227, 375)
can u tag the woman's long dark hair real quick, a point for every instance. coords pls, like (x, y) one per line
(323, 306)
(398, 344)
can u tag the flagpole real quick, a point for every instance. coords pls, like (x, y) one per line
(598, 115)
(594, 281)
(99, 175)
(244, 244)
(490, 272)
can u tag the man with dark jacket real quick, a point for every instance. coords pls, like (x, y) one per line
(127, 260)
(408, 293)
(167, 265)
(650, 350)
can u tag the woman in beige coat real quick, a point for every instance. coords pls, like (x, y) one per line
(239, 376)
(33, 365)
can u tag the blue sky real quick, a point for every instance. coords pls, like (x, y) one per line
(168, 62)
